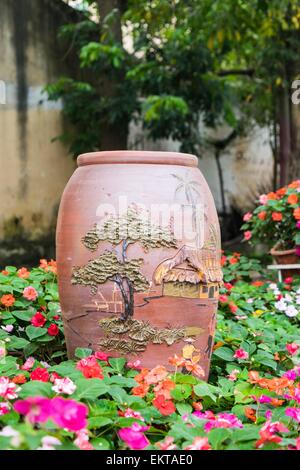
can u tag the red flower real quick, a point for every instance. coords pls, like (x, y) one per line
(277, 216)
(40, 374)
(223, 298)
(262, 215)
(38, 319)
(228, 286)
(233, 260)
(53, 330)
(101, 356)
(233, 308)
(90, 368)
(288, 280)
(165, 407)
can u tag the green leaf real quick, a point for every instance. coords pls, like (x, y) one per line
(181, 391)
(98, 422)
(206, 390)
(217, 437)
(36, 388)
(17, 343)
(121, 381)
(224, 353)
(184, 408)
(118, 394)
(83, 352)
(117, 363)
(34, 332)
(89, 389)
(24, 315)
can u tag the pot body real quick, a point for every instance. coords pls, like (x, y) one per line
(138, 256)
(286, 257)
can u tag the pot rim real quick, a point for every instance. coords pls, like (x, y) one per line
(275, 252)
(137, 156)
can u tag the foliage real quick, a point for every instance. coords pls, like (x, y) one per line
(275, 219)
(250, 402)
(236, 266)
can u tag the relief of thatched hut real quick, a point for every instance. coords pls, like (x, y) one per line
(190, 273)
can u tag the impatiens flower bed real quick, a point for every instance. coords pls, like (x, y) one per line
(96, 402)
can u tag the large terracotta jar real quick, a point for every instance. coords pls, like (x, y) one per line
(138, 252)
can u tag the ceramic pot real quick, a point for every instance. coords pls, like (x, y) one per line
(285, 257)
(138, 256)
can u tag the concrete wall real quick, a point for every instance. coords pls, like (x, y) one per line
(34, 170)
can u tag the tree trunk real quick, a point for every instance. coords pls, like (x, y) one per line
(284, 135)
(113, 134)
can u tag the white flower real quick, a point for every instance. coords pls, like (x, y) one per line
(8, 431)
(281, 305)
(249, 301)
(288, 298)
(8, 328)
(48, 442)
(291, 311)
(273, 286)
(298, 300)
(64, 385)
(298, 291)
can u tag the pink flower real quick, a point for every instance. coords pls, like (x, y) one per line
(137, 365)
(263, 198)
(8, 328)
(64, 385)
(28, 364)
(292, 374)
(199, 443)
(2, 352)
(222, 420)
(233, 375)
(247, 235)
(264, 399)
(247, 217)
(66, 413)
(48, 443)
(101, 356)
(82, 440)
(36, 409)
(4, 408)
(294, 413)
(267, 433)
(8, 389)
(69, 414)
(241, 354)
(129, 413)
(167, 444)
(223, 298)
(292, 348)
(30, 293)
(134, 437)
(90, 368)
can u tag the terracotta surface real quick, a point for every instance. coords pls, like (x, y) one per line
(174, 276)
(286, 257)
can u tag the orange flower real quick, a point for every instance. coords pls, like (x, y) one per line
(250, 413)
(176, 361)
(276, 356)
(141, 376)
(281, 192)
(233, 260)
(164, 388)
(23, 273)
(193, 367)
(277, 216)
(276, 402)
(294, 184)
(156, 374)
(19, 379)
(296, 213)
(257, 283)
(5, 272)
(271, 196)
(276, 385)
(292, 199)
(165, 407)
(8, 300)
(48, 265)
(262, 215)
(218, 345)
(197, 406)
(140, 390)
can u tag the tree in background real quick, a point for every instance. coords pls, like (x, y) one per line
(172, 64)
